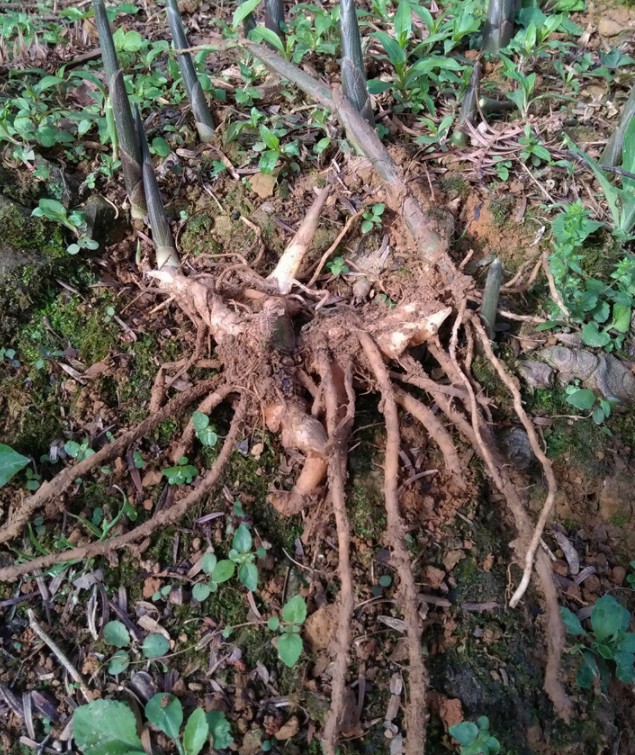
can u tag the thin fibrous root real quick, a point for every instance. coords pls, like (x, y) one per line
(60, 483)
(480, 437)
(416, 713)
(161, 519)
(436, 431)
(339, 397)
(539, 453)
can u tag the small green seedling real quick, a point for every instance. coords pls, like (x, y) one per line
(182, 474)
(219, 572)
(290, 643)
(609, 640)
(475, 738)
(204, 431)
(78, 451)
(104, 727)
(586, 400)
(75, 221)
(372, 217)
(116, 634)
(337, 267)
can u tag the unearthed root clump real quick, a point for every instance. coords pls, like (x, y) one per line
(294, 359)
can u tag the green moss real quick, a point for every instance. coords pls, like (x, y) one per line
(501, 208)
(454, 185)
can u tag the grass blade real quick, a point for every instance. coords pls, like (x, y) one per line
(353, 71)
(161, 235)
(198, 101)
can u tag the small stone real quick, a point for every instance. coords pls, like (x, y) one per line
(618, 575)
(288, 730)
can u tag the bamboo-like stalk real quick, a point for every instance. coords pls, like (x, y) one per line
(165, 249)
(274, 16)
(129, 151)
(106, 43)
(489, 305)
(612, 153)
(353, 70)
(467, 114)
(196, 96)
(499, 24)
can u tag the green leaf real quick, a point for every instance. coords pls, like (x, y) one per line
(624, 668)
(589, 670)
(268, 160)
(11, 462)
(52, 209)
(465, 733)
(582, 398)
(195, 733)
(166, 713)
(261, 33)
(403, 23)
(155, 645)
(571, 622)
(106, 727)
(592, 336)
(248, 575)
(208, 437)
(242, 541)
(201, 591)
(223, 571)
(608, 618)
(273, 623)
(208, 562)
(220, 729)
(119, 662)
(294, 610)
(243, 10)
(626, 643)
(396, 54)
(200, 421)
(160, 146)
(115, 633)
(621, 320)
(289, 649)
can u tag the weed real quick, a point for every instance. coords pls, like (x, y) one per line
(181, 474)
(289, 643)
(117, 635)
(603, 309)
(475, 738)
(108, 726)
(337, 267)
(75, 221)
(609, 640)
(372, 218)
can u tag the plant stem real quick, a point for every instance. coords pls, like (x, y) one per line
(491, 293)
(202, 115)
(353, 71)
(162, 236)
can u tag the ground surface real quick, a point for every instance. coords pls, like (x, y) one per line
(82, 352)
